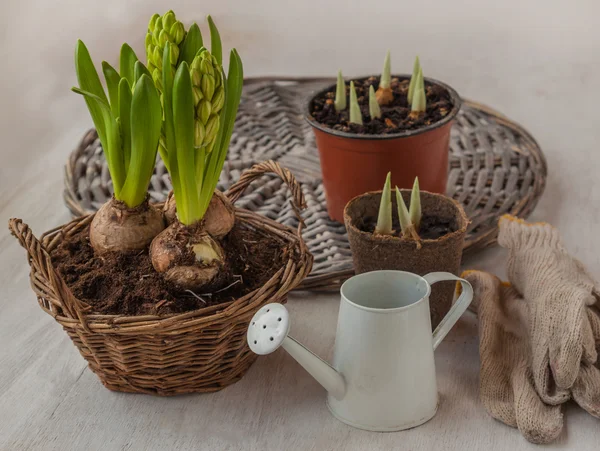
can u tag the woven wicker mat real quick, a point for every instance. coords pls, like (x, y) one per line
(496, 167)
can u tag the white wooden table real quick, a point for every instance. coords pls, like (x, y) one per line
(538, 62)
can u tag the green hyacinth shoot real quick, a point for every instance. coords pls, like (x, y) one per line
(199, 103)
(374, 109)
(419, 100)
(413, 79)
(340, 93)
(410, 219)
(127, 121)
(384, 219)
(355, 113)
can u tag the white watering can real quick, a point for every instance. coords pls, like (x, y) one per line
(383, 372)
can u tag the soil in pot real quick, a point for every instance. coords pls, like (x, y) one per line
(395, 117)
(129, 285)
(432, 227)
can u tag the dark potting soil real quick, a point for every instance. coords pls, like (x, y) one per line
(431, 228)
(395, 117)
(128, 284)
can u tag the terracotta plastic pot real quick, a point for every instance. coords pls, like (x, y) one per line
(354, 164)
(376, 252)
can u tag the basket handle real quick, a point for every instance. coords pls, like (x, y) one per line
(40, 262)
(298, 202)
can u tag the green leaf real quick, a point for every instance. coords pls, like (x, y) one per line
(233, 93)
(127, 63)
(386, 75)
(374, 109)
(111, 139)
(139, 69)
(355, 113)
(403, 215)
(112, 78)
(170, 153)
(215, 41)
(183, 120)
(419, 101)
(90, 81)
(384, 219)
(86, 72)
(125, 118)
(415, 205)
(191, 44)
(88, 95)
(413, 79)
(340, 93)
(146, 118)
(200, 172)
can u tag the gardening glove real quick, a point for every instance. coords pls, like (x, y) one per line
(506, 385)
(557, 290)
(586, 389)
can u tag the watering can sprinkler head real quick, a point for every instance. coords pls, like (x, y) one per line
(268, 329)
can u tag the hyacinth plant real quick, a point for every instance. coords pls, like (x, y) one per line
(384, 95)
(409, 218)
(200, 104)
(128, 122)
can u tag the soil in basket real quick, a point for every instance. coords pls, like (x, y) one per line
(129, 285)
(432, 227)
(395, 117)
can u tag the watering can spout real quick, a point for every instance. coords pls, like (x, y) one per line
(268, 330)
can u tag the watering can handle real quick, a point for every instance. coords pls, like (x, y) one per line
(459, 307)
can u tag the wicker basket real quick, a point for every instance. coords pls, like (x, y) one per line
(200, 351)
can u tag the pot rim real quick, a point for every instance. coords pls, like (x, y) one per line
(456, 102)
(348, 220)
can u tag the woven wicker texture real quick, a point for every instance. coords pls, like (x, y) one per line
(496, 167)
(200, 351)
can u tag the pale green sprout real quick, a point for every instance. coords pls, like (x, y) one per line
(415, 205)
(355, 114)
(200, 106)
(403, 214)
(386, 74)
(128, 120)
(340, 93)
(410, 220)
(374, 109)
(419, 101)
(384, 219)
(384, 91)
(413, 79)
